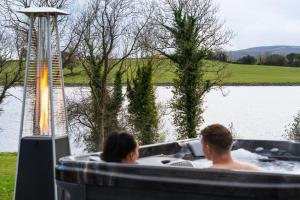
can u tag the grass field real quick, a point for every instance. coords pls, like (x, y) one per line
(7, 175)
(237, 74)
(257, 74)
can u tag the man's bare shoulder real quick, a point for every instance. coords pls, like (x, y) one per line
(236, 166)
(246, 166)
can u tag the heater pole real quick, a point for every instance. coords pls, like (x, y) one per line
(61, 73)
(24, 95)
(51, 101)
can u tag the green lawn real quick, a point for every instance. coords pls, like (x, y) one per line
(237, 74)
(7, 175)
(257, 74)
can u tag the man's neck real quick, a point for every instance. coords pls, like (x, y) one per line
(222, 159)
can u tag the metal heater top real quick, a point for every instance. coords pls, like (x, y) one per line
(42, 11)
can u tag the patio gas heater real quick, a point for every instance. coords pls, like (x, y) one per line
(43, 131)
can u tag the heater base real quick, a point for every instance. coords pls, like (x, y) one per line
(35, 178)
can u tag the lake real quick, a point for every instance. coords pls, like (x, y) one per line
(255, 112)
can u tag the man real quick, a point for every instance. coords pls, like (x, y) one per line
(217, 143)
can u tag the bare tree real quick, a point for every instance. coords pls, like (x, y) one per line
(10, 63)
(110, 31)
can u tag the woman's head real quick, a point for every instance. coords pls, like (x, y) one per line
(120, 147)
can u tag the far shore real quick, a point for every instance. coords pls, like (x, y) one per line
(170, 84)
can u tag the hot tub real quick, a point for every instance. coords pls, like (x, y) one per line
(178, 171)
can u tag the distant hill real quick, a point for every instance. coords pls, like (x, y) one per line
(256, 51)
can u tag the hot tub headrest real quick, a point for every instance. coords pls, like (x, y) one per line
(196, 148)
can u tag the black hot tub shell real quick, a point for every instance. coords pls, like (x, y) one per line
(82, 177)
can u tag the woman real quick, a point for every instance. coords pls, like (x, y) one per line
(121, 148)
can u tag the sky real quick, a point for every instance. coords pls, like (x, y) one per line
(258, 22)
(261, 22)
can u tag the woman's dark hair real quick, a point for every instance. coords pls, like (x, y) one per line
(117, 146)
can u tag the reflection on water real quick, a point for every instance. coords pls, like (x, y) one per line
(255, 112)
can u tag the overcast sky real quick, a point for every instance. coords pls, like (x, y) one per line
(261, 22)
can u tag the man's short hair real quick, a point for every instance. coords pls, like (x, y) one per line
(218, 136)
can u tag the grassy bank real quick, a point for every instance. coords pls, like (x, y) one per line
(237, 75)
(7, 175)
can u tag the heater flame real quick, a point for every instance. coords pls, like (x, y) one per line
(44, 100)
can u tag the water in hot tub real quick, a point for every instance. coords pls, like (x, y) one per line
(264, 164)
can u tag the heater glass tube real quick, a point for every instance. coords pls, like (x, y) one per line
(42, 104)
